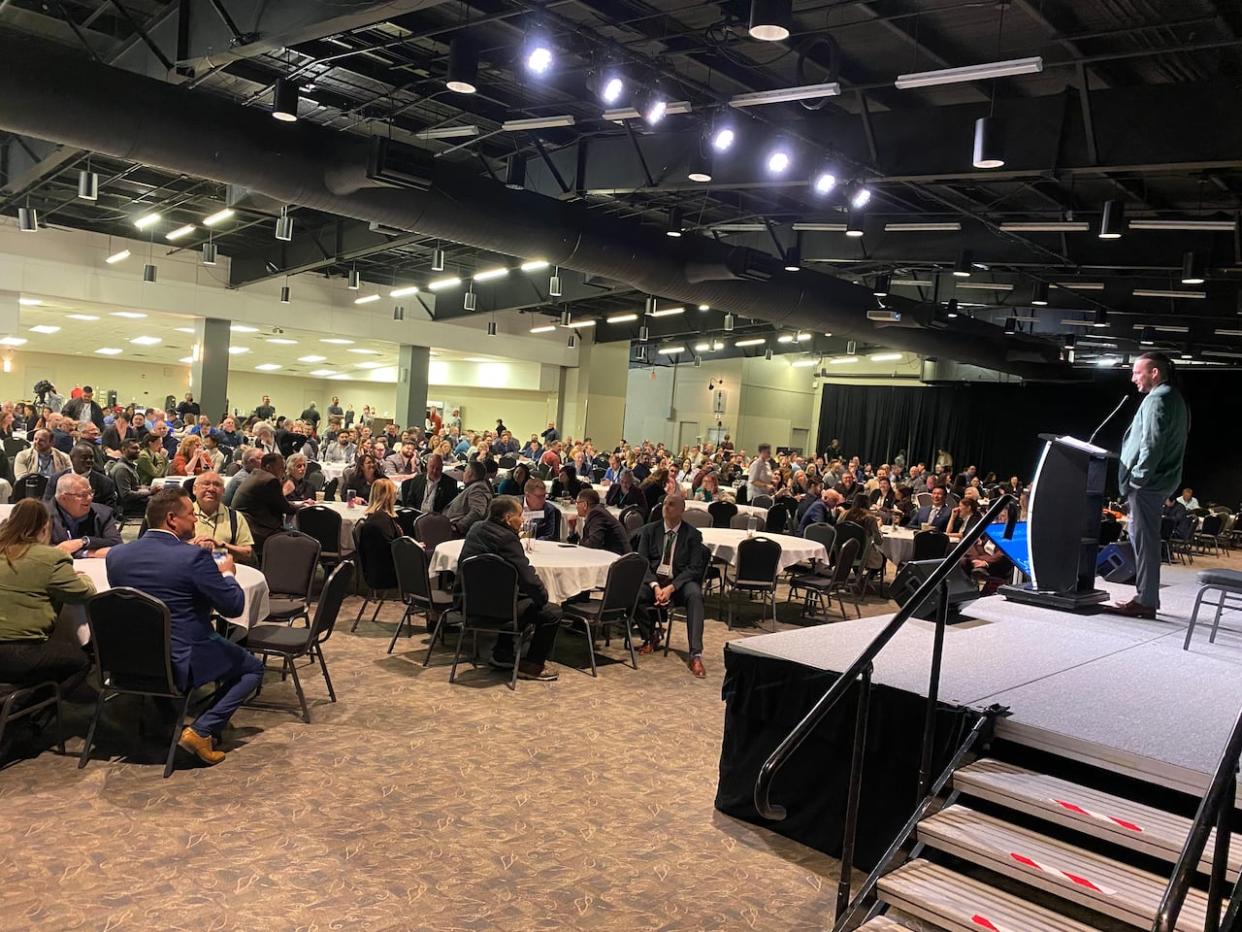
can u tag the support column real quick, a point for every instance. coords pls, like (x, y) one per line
(209, 375)
(412, 371)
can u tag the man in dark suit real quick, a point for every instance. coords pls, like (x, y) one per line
(936, 514)
(540, 512)
(676, 561)
(498, 534)
(82, 463)
(80, 527)
(625, 492)
(600, 529)
(262, 500)
(186, 579)
(430, 490)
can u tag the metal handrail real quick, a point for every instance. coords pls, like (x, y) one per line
(792, 741)
(1216, 807)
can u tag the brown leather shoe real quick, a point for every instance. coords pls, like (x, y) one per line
(696, 667)
(536, 671)
(1132, 609)
(199, 746)
(646, 648)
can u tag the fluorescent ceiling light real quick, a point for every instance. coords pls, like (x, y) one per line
(702, 347)
(488, 275)
(741, 227)
(668, 312)
(671, 350)
(185, 329)
(367, 299)
(577, 324)
(370, 364)
(986, 286)
(147, 220)
(1108, 361)
(146, 341)
(804, 337)
(544, 328)
(513, 126)
(311, 358)
(403, 291)
(838, 360)
(673, 108)
(323, 372)
(910, 282)
(281, 341)
(242, 328)
(884, 357)
(180, 232)
(534, 265)
(238, 350)
(130, 315)
(757, 341)
(817, 227)
(785, 338)
(362, 351)
(804, 363)
(218, 217)
(337, 341)
(117, 257)
(1224, 226)
(441, 283)
(1080, 286)
(1168, 293)
(1168, 328)
(268, 366)
(783, 95)
(1228, 333)
(29, 302)
(82, 317)
(448, 132)
(109, 351)
(996, 69)
(1047, 226)
(187, 360)
(622, 318)
(1078, 323)
(946, 227)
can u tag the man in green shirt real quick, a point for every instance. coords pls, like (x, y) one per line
(1150, 470)
(216, 525)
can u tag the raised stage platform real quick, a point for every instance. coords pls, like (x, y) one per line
(1114, 693)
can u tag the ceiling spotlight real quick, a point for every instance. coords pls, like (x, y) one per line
(148, 273)
(951, 309)
(793, 259)
(767, 354)
(962, 268)
(437, 260)
(285, 100)
(1101, 318)
(722, 138)
(27, 220)
(88, 185)
(1112, 220)
(1147, 336)
(728, 322)
(463, 65)
(572, 342)
(284, 294)
(988, 151)
(539, 58)
(355, 280)
(700, 168)
(824, 182)
(1192, 270)
(778, 160)
(491, 328)
(612, 89)
(674, 228)
(398, 312)
(209, 253)
(881, 286)
(655, 107)
(1039, 294)
(770, 20)
(515, 174)
(854, 222)
(284, 225)
(469, 300)
(554, 283)
(860, 197)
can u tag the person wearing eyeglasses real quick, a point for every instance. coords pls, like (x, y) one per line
(80, 527)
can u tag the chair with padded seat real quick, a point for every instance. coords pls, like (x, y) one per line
(821, 533)
(622, 588)
(779, 517)
(696, 517)
(489, 602)
(1228, 583)
(632, 519)
(431, 530)
(763, 501)
(817, 587)
(930, 545)
(406, 516)
(17, 702)
(323, 524)
(31, 485)
(290, 559)
(291, 644)
(722, 513)
(758, 565)
(414, 587)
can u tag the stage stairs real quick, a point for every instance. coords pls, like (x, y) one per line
(1013, 849)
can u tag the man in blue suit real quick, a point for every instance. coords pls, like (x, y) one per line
(936, 514)
(185, 578)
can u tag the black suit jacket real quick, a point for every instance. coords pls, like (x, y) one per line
(633, 497)
(413, 490)
(103, 487)
(98, 525)
(602, 531)
(263, 503)
(921, 516)
(690, 556)
(490, 537)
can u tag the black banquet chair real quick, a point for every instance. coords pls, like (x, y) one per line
(431, 530)
(132, 635)
(413, 568)
(930, 545)
(489, 598)
(722, 513)
(31, 485)
(622, 588)
(406, 517)
(323, 524)
(290, 643)
(290, 560)
(758, 564)
(22, 701)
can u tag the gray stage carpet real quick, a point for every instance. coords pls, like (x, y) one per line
(1113, 692)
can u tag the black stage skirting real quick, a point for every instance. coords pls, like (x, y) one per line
(766, 696)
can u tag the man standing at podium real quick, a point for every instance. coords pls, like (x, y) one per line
(1150, 470)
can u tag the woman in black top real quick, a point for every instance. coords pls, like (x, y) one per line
(883, 495)
(376, 532)
(361, 478)
(567, 484)
(516, 481)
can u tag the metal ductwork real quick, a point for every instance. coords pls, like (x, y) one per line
(52, 95)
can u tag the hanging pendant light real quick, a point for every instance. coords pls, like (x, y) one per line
(463, 65)
(554, 283)
(1192, 270)
(148, 273)
(284, 294)
(209, 253)
(285, 100)
(728, 322)
(573, 340)
(437, 259)
(88, 185)
(28, 219)
(284, 225)
(643, 334)
(491, 328)
(1039, 294)
(566, 317)
(770, 20)
(355, 280)
(1112, 220)
(989, 151)
(515, 174)
(469, 300)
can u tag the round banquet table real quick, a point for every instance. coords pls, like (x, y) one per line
(333, 470)
(160, 481)
(253, 584)
(754, 510)
(4, 512)
(723, 544)
(898, 543)
(564, 569)
(570, 508)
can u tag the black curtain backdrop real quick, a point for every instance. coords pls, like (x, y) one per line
(996, 426)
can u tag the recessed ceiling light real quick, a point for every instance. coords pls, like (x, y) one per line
(82, 317)
(185, 330)
(243, 328)
(45, 328)
(311, 358)
(146, 341)
(238, 350)
(323, 372)
(130, 315)
(369, 365)
(13, 341)
(364, 352)
(29, 302)
(337, 341)
(268, 366)
(109, 351)
(186, 360)
(282, 341)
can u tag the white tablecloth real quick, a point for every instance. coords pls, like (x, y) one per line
(570, 508)
(565, 570)
(898, 544)
(4, 511)
(159, 481)
(349, 517)
(723, 544)
(760, 513)
(333, 470)
(253, 584)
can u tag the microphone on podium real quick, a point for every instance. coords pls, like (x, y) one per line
(1121, 404)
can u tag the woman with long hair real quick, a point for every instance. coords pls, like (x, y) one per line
(296, 486)
(191, 459)
(361, 478)
(376, 533)
(36, 579)
(516, 481)
(860, 513)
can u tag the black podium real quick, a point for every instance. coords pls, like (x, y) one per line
(1063, 525)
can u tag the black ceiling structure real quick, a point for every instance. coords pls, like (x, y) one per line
(1133, 109)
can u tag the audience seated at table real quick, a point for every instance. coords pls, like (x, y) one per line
(626, 493)
(81, 527)
(676, 563)
(82, 463)
(248, 458)
(131, 494)
(41, 458)
(963, 517)
(359, 478)
(431, 490)
(860, 513)
(497, 534)
(567, 484)
(936, 514)
(471, 503)
(596, 527)
(542, 517)
(191, 459)
(216, 525)
(709, 490)
(515, 482)
(36, 579)
(261, 499)
(376, 532)
(403, 461)
(821, 511)
(296, 486)
(341, 449)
